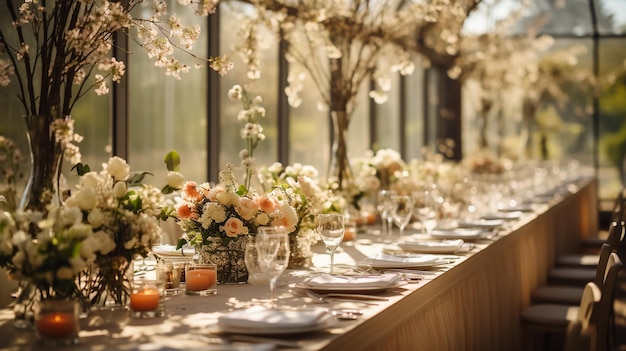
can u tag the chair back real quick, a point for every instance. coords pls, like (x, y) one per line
(601, 271)
(604, 310)
(581, 329)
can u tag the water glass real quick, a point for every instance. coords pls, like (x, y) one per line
(331, 230)
(256, 274)
(425, 209)
(402, 211)
(272, 245)
(384, 205)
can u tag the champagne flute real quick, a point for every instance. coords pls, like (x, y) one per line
(402, 211)
(425, 209)
(272, 245)
(384, 205)
(331, 229)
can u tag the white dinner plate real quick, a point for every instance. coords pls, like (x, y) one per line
(432, 246)
(325, 323)
(502, 215)
(383, 261)
(481, 223)
(457, 233)
(348, 290)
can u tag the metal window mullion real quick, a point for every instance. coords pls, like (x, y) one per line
(119, 101)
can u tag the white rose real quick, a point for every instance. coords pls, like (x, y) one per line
(85, 199)
(261, 219)
(64, 273)
(95, 217)
(175, 180)
(91, 180)
(78, 264)
(119, 189)
(130, 243)
(118, 168)
(88, 248)
(105, 243)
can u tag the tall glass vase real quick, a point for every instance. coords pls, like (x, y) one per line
(339, 166)
(46, 155)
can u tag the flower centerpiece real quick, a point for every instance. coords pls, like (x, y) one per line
(46, 266)
(218, 219)
(299, 186)
(56, 52)
(124, 215)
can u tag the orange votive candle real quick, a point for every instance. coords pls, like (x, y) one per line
(146, 299)
(349, 234)
(200, 279)
(56, 325)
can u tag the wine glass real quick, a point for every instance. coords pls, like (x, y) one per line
(331, 229)
(402, 211)
(272, 244)
(425, 209)
(384, 205)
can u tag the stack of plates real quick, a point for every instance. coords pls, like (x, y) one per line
(431, 246)
(262, 320)
(325, 283)
(415, 261)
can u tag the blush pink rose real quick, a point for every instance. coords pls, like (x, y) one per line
(234, 227)
(265, 204)
(246, 208)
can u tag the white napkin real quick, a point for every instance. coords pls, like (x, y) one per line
(170, 251)
(263, 317)
(481, 223)
(368, 281)
(431, 246)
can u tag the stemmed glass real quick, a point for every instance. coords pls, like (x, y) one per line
(425, 209)
(272, 244)
(402, 211)
(331, 229)
(384, 205)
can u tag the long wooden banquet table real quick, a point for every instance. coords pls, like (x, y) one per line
(473, 303)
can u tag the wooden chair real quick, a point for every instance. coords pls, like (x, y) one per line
(555, 319)
(587, 260)
(567, 294)
(579, 276)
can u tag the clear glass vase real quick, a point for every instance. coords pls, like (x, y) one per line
(46, 156)
(339, 168)
(229, 256)
(109, 284)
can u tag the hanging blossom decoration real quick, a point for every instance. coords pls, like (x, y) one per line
(252, 131)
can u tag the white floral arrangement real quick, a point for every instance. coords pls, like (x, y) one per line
(61, 251)
(228, 211)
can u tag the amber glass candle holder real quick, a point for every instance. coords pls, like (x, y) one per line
(201, 279)
(147, 299)
(56, 322)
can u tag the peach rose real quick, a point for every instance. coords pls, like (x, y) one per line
(265, 204)
(246, 208)
(234, 227)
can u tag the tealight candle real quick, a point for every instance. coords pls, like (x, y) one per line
(56, 325)
(146, 299)
(201, 279)
(56, 322)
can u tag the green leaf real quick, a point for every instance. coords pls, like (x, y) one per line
(167, 190)
(137, 178)
(81, 169)
(172, 160)
(242, 191)
(181, 242)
